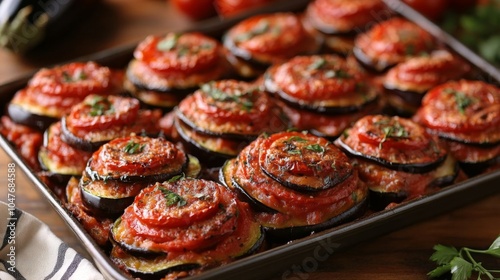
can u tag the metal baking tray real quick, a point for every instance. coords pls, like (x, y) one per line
(331, 241)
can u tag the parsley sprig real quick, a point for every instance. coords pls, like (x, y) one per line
(461, 99)
(395, 130)
(133, 147)
(172, 198)
(461, 263)
(242, 98)
(100, 106)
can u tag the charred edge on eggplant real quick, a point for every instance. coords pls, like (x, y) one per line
(212, 158)
(290, 233)
(306, 189)
(369, 64)
(333, 110)
(20, 115)
(94, 175)
(410, 168)
(196, 128)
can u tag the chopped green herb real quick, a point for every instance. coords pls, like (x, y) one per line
(315, 148)
(317, 64)
(133, 148)
(177, 178)
(294, 152)
(297, 139)
(172, 198)
(392, 131)
(243, 98)
(340, 73)
(261, 28)
(168, 43)
(100, 106)
(461, 99)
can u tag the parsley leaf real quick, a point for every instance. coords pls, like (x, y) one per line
(461, 99)
(172, 198)
(133, 148)
(168, 43)
(315, 148)
(461, 263)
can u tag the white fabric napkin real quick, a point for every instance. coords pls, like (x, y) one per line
(29, 250)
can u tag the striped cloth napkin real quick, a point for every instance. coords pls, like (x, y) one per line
(30, 250)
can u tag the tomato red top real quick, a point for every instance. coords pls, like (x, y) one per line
(136, 156)
(229, 107)
(187, 52)
(26, 140)
(342, 16)
(100, 112)
(393, 41)
(304, 161)
(419, 74)
(76, 79)
(187, 214)
(269, 38)
(301, 207)
(393, 140)
(63, 157)
(463, 110)
(320, 81)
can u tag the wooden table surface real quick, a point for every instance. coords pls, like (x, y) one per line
(402, 254)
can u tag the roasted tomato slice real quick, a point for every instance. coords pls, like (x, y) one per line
(391, 42)
(76, 79)
(468, 110)
(303, 161)
(229, 107)
(394, 142)
(176, 216)
(304, 207)
(98, 112)
(342, 16)
(419, 74)
(58, 156)
(320, 83)
(185, 204)
(136, 157)
(186, 52)
(269, 38)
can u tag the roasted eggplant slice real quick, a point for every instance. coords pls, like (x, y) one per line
(303, 162)
(309, 197)
(230, 109)
(59, 158)
(165, 69)
(225, 177)
(410, 80)
(99, 119)
(321, 83)
(267, 39)
(214, 150)
(467, 115)
(108, 198)
(20, 115)
(340, 21)
(391, 42)
(52, 92)
(394, 142)
(137, 158)
(280, 234)
(397, 158)
(184, 224)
